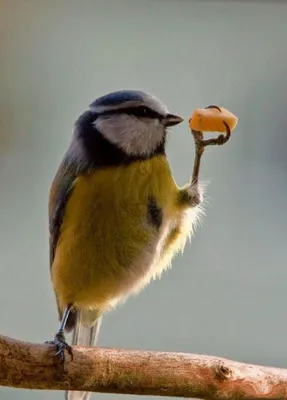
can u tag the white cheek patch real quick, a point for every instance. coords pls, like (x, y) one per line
(134, 136)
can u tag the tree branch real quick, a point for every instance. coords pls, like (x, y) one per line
(33, 366)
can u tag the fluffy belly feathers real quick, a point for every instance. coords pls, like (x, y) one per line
(108, 248)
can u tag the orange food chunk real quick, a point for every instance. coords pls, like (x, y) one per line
(211, 120)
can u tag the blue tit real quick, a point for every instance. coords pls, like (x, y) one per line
(116, 215)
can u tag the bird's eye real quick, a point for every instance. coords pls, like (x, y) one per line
(140, 111)
(143, 111)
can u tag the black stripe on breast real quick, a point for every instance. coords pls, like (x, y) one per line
(154, 213)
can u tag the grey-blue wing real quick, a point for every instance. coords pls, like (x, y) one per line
(60, 192)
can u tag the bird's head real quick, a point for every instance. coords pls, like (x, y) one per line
(134, 121)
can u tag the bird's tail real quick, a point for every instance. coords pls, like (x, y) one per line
(85, 333)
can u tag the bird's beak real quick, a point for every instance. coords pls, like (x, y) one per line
(172, 119)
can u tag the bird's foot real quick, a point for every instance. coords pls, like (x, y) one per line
(220, 140)
(61, 345)
(200, 145)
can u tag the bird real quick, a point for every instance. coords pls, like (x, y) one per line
(117, 217)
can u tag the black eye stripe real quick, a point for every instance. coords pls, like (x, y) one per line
(140, 111)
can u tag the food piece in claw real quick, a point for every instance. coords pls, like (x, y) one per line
(211, 119)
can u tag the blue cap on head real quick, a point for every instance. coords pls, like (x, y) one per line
(119, 97)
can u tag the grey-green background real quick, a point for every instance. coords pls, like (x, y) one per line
(227, 294)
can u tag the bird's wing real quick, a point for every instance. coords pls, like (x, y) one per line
(60, 192)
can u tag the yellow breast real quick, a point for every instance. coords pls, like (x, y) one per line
(105, 229)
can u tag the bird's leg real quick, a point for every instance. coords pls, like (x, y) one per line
(200, 145)
(59, 339)
(191, 194)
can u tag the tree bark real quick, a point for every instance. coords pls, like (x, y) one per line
(34, 366)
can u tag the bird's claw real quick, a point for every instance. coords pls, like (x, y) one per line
(213, 106)
(61, 345)
(220, 140)
(200, 145)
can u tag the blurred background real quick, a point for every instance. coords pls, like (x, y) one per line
(226, 295)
